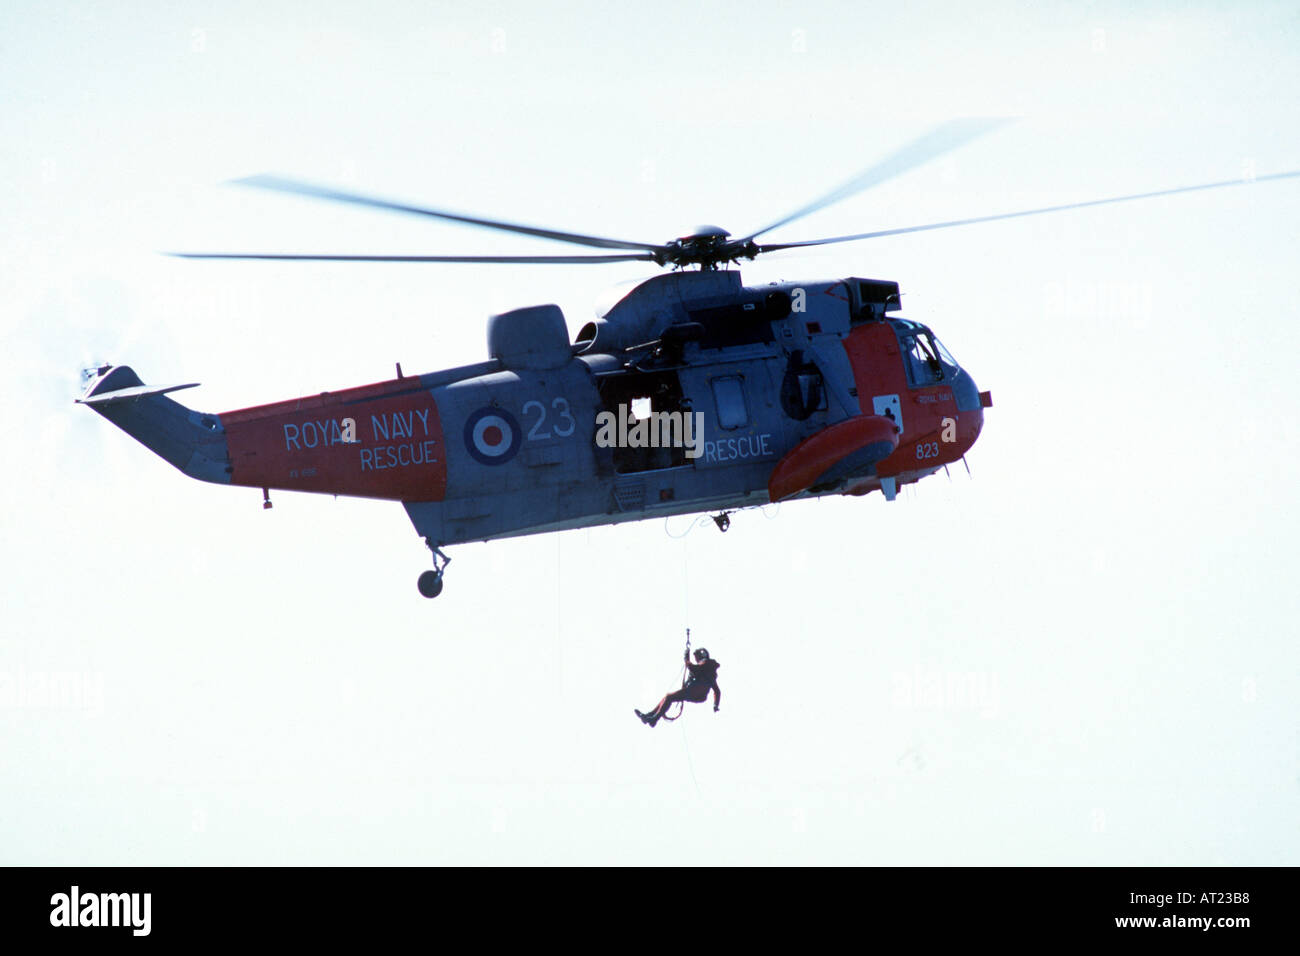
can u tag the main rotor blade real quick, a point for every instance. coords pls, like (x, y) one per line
(1028, 212)
(940, 140)
(278, 184)
(518, 260)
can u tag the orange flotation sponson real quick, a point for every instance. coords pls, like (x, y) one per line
(817, 454)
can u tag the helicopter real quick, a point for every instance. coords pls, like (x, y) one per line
(689, 393)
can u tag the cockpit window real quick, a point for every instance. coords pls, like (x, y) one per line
(923, 366)
(928, 362)
(945, 356)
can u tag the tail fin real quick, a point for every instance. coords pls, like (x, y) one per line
(192, 441)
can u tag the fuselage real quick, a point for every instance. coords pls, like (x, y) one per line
(777, 377)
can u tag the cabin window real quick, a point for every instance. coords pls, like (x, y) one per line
(803, 389)
(729, 394)
(812, 391)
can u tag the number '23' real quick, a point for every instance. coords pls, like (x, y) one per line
(562, 424)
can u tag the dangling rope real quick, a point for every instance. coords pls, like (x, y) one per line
(681, 704)
(698, 522)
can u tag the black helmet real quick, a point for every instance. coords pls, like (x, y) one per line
(701, 653)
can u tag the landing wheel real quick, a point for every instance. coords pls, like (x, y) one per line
(430, 583)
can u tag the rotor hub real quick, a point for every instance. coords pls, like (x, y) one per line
(707, 247)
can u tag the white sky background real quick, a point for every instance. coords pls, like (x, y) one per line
(1084, 653)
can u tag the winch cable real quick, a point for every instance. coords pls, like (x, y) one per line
(681, 704)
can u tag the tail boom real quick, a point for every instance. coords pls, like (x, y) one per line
(375, 441)
(193, 442)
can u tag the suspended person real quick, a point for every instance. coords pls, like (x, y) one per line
(701, 677)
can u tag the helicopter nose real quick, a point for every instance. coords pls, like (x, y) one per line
(966, 393)
(971, 403)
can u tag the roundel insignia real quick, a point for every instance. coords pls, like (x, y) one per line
(492, 436)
